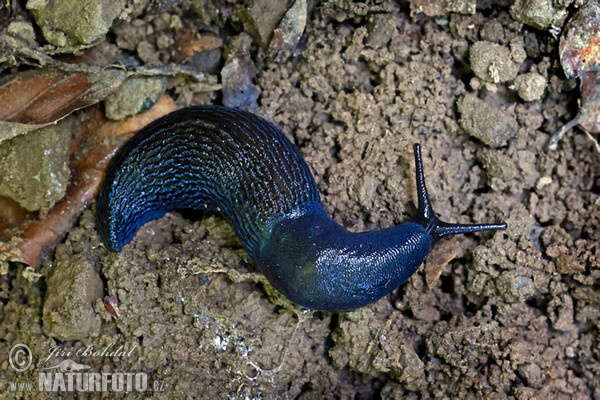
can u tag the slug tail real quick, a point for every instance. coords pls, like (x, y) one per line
(426, 216)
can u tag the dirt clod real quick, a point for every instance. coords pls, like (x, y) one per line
(530, 86)
(485, 122)
(492, 62)
(33, 168)
(73, 286)
(74, 22)
(541, 14)
(138, 94)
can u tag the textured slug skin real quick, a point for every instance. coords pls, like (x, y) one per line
(218, 158)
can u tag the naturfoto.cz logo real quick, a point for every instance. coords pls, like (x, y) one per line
(71, 376)
(92, 382)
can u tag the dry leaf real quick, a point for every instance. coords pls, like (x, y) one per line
(188, 44)
(40, 98)
(580, 57)
(439, 256)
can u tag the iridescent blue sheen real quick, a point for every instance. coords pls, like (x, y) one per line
(218, 158)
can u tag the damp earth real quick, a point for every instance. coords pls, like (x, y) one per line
(511, 314)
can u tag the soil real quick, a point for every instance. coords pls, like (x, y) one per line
(513, 314)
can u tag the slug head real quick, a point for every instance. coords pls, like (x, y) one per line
(426, 216)
(319, 264)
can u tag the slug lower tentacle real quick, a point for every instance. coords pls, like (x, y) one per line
(218, 158)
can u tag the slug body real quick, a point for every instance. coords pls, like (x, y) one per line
(218, 158)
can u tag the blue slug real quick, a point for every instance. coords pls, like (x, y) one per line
(219, 158)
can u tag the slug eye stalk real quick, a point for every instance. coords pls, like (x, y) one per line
(426, 217)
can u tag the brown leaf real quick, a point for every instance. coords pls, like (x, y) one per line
(39, 98)
(188, 44)
(579, 51)
(440, 255)
(590, 102)
(11, 214)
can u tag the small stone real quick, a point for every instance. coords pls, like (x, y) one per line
(492, 31)
(532, 374)
(262, 17)
(567, 265)
(467, 7)
(238, 89)
(475, 84)
(22, 29)
(492, 62)
(514, 288)
(137, 94)
(147, 52)
(68, 312)
(500, 168)
(517, 51)
(437, 8)
(287, 35)
(543, 182)
(431, 8)
(541, 14)
(164, 41)
(237, 75)
(561, 313)
(34, 168)
(569, 352)
(483, 121)
(208, 61)
(530, 86)
(69, 22)
(129, 35)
